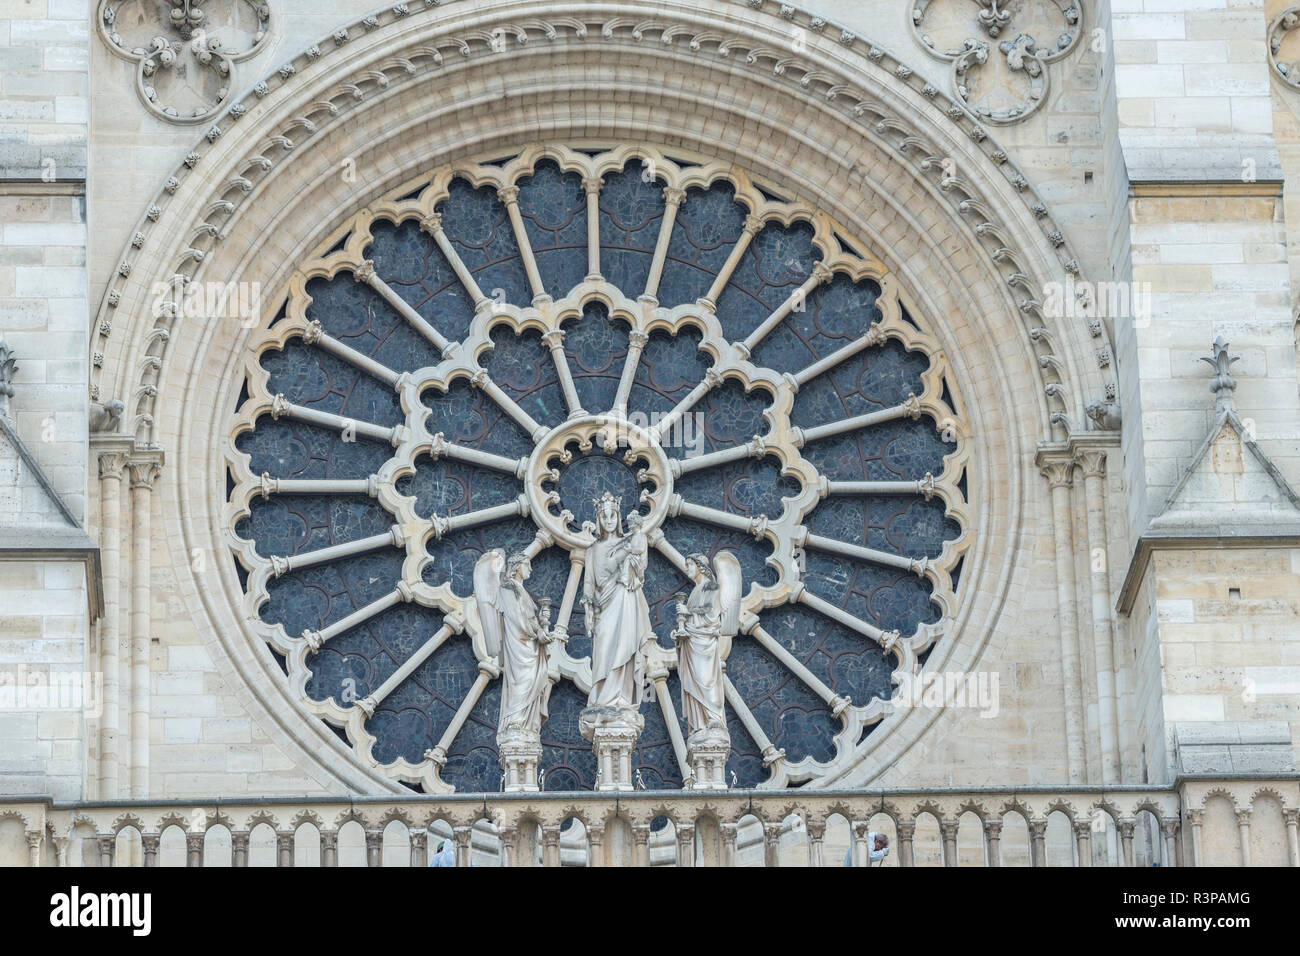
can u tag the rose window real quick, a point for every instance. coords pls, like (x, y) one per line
(469, 362)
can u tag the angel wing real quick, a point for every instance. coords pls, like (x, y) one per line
(487, 592)
(730, 591)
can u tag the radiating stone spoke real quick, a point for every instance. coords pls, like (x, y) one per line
(857, 552)
(319, 486)
(886, 639)
(396, 596)
(282, 407)
(673, 199)
(659, 677)
(756, 448)
(554, 340)
(570, 596)
(432, 224)
(908, 409)
(770, 753)
(316, 335)
(873, 336)
(509, 196)
(391, 538)
(591, 186)
(752, 226)
(922, 486)
(366, 273)
(796, 300)
(487, 672)
(712, 379)
(482, 380)
(445, 526)
(409, 667)
(636, 342)
(442, 448)
(715, 516)
(796, 667)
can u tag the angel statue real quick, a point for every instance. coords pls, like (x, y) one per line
(617, 616)
(515, 634)
(706, 623)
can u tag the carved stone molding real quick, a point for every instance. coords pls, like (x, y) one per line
(185, 55)
(999, 52)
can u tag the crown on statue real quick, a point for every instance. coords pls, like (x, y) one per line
(607, 503)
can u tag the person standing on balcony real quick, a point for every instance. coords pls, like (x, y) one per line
(445, 855)
(877, 846)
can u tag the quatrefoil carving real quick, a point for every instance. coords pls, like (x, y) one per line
(184, 53)
(1000, 52)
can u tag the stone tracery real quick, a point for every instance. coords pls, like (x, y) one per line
(184, 54)
(463, 400)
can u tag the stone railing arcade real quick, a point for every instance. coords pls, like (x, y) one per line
(1197, 821)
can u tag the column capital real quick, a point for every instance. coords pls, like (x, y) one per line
(1059, 474)
(111, 464)
(1092, 463)
(144, 473)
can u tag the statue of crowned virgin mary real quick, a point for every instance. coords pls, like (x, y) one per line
(617, 616)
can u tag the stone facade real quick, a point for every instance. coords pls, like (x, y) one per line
(1133, 583)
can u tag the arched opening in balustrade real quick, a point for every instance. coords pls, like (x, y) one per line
(13, 842)
(709, 848)
(749, 841)
(172, 850)
(793, 847)
(128, 847)
(1148, 843)
(261, 845)
(528, 849)
(1058, 839)
(927, 841)
(395, 849)
(616, 843)
(970, 840)
(218, 846)
(575, 847)
(1013, 841)
(1106, 848)
(440, 833)
(837, 841)
(1220, 837)
(307, 845)
(1268, 839)
(352, 844)
(663, 842)
(485, 843)
(83, 846)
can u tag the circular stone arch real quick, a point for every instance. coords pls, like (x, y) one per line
(845, 126)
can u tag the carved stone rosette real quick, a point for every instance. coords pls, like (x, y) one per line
(1000, 53)
(184, 55)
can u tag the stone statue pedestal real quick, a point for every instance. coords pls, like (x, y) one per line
(613, 732)
(707, 751)
(520, 752)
